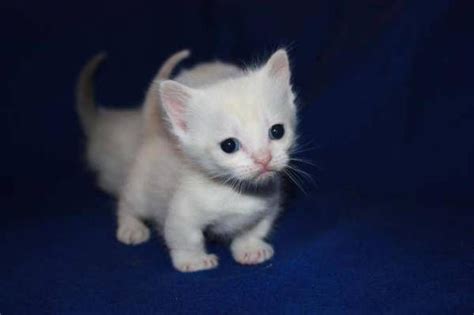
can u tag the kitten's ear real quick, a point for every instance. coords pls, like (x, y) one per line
(175, 98)
(278, 66)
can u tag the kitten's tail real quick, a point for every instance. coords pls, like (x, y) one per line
(151, 110)
(85, 103)
(167, 68)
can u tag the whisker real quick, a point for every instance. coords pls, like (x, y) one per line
(292, 178)
(302, 160)
(298, 148)
(302, 179)
(303, 147)
(302, 173)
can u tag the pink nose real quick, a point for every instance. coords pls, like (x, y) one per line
(263, 159)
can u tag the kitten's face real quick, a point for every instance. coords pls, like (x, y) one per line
(243, 129)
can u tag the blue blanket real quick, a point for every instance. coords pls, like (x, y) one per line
(387, 115)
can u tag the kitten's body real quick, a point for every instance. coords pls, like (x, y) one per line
(157, 176)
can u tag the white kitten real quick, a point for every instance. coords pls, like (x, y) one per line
(204, 154)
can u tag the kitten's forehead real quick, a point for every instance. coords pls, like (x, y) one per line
(240, 119)
(240, 102)
(243, 97)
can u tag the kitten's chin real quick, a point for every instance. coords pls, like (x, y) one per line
(263, 178)
(265, 175)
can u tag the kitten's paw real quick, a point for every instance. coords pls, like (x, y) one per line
(251, 252)
(133, 232)
(190, 262)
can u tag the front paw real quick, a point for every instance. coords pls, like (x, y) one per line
(133, 232)
(251, 252)
(190, 261)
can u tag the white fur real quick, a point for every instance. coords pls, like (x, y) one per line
(179, 177)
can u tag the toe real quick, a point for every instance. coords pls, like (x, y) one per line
(196, 263)
(252, 253)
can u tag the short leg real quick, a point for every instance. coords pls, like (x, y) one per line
(131, 230)
(249, 248)
(186, 244)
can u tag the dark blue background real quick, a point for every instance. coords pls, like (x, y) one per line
(387, 101)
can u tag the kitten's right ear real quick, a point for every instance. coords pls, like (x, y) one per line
(278, 67)
(175, 99)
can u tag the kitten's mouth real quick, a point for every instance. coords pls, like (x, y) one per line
(265, 173)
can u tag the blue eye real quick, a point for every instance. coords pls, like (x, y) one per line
(276, 132)
(230, 145)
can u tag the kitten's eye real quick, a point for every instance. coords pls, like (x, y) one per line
(276, 132)
(230, 145)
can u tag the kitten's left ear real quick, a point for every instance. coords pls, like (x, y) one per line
(278, 66)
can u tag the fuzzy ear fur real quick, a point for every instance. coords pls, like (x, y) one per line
(278, 67)
(175, 98)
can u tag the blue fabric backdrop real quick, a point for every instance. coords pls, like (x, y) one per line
(387, 100)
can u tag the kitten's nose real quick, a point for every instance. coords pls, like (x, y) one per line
(263, 159)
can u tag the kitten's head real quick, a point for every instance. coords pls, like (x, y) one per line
(241, 129)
